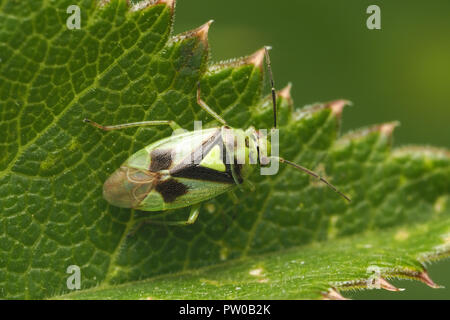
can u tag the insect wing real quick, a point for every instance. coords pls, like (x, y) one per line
(127, 187)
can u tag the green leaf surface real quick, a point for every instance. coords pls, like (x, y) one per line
(301, 272)
(289, 238)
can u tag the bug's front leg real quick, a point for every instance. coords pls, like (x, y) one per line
(170, 123)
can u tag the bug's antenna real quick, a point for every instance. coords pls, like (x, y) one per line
(315, 175)
(274, 96)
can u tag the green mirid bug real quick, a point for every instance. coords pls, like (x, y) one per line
(188, 168)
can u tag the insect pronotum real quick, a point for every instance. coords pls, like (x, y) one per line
(188, 168)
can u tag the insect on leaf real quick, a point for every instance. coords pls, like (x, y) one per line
(289, 238)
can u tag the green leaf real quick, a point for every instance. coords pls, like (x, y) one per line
(290, 238)
(301, 272)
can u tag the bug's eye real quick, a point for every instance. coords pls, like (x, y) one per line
(247, 142)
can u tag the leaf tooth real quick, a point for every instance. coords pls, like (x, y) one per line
(285, 93)
(388, 286)
(337, 106)
(388, 128)
(384, 128)
(425, 278)
(333, 294)
(421, 276)
(201, 33)
(256, 58)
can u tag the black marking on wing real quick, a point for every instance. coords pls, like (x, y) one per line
(196, 172)
(160, 159)
(171, 189)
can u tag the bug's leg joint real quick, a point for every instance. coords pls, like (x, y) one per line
(95, 124)
(193, 215)
(175, 126)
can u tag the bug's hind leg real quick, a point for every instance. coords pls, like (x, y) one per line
(207, 108)
(193, 215)
(170, 123)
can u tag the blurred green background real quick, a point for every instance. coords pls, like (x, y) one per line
(401, 72)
